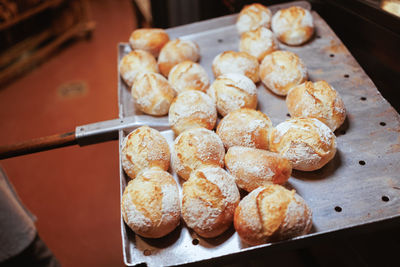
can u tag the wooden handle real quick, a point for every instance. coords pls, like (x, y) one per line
(37, 145)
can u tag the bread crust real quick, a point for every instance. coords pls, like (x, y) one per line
(271, 213)
(253, 167)
(144, 148)
(177, 51)
(236, 62)
(282, 70)
(192, 109)
(308, 143)
(188, 75)
(293, 25)
(252, 17)
(194, 148)
(258, 43)
(210, 197)
(152, 93)
(135, 63)
(317, 100)
(233, 91)
(150, 40)
(150, 204)
(245, 127)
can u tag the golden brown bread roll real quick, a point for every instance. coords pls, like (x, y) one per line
(233, 91)
(134, 63)
(152, 93)
(192, 109)
(282, 70)
(258, 43)
(150, 40)
(210, 197)
(317, 100)
(252, 17)
(245, 127)
(188, 75)
(271, 213)
(144, 148)
(293, 25)
(253, 167)
(150, 204)
(175, 52)
(308, 143)
(194, 148)
(236, 62)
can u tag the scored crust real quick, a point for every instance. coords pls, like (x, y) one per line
(194, 148)
(210, 197)
(308, 143)
(144, 148)
(150, 204)
(252, 17)
(253, 167)
(258, 43)
(188, 75)
(150, 40)
(134, 63)
(192, 109)
(271, 213)
(317, 100)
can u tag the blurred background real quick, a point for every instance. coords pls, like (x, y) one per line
(58, 70)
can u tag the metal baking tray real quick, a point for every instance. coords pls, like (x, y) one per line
(360, 186)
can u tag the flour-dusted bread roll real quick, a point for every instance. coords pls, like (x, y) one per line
(192, 109)
(252, 17)
(272, 213)
(144, 148)
(253, 167)
(134, 63)
(317, 100)
(152, 93)
(210, 198)
(308, 143)
(236, 62)
(282, 70)
(293, 25)
(194, 148)
(188, 75)
(245, 127)
(258, 43)
(233, 91)
(177, 51)
(150, 40)
(150, 204)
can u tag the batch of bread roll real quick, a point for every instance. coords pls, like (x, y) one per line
(257, 156)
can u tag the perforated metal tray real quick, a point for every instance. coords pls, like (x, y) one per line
(360, 186)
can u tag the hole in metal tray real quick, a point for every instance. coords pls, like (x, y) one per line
(361, 162)
(332, 55)
(338, 209)
(346, 76)
(382, 123)
(363, 98)
(195, 241)
(385, 198)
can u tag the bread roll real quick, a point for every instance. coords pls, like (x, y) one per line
(175, 52)
(192, 109)
(245, 127)
(253, 167)
(306, 142)
(210, 198)
(150, 40)
(236, 62)
(293, 25)
(258, 43)
(252, 17)
(150, 204)
(194, 148)
(134, 63)
(233, 91)
(317, 100)
(144, 148)
(188, 75)
(282, 70)
(152, 93)
(272, 213)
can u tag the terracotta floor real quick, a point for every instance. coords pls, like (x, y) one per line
(73, 191)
